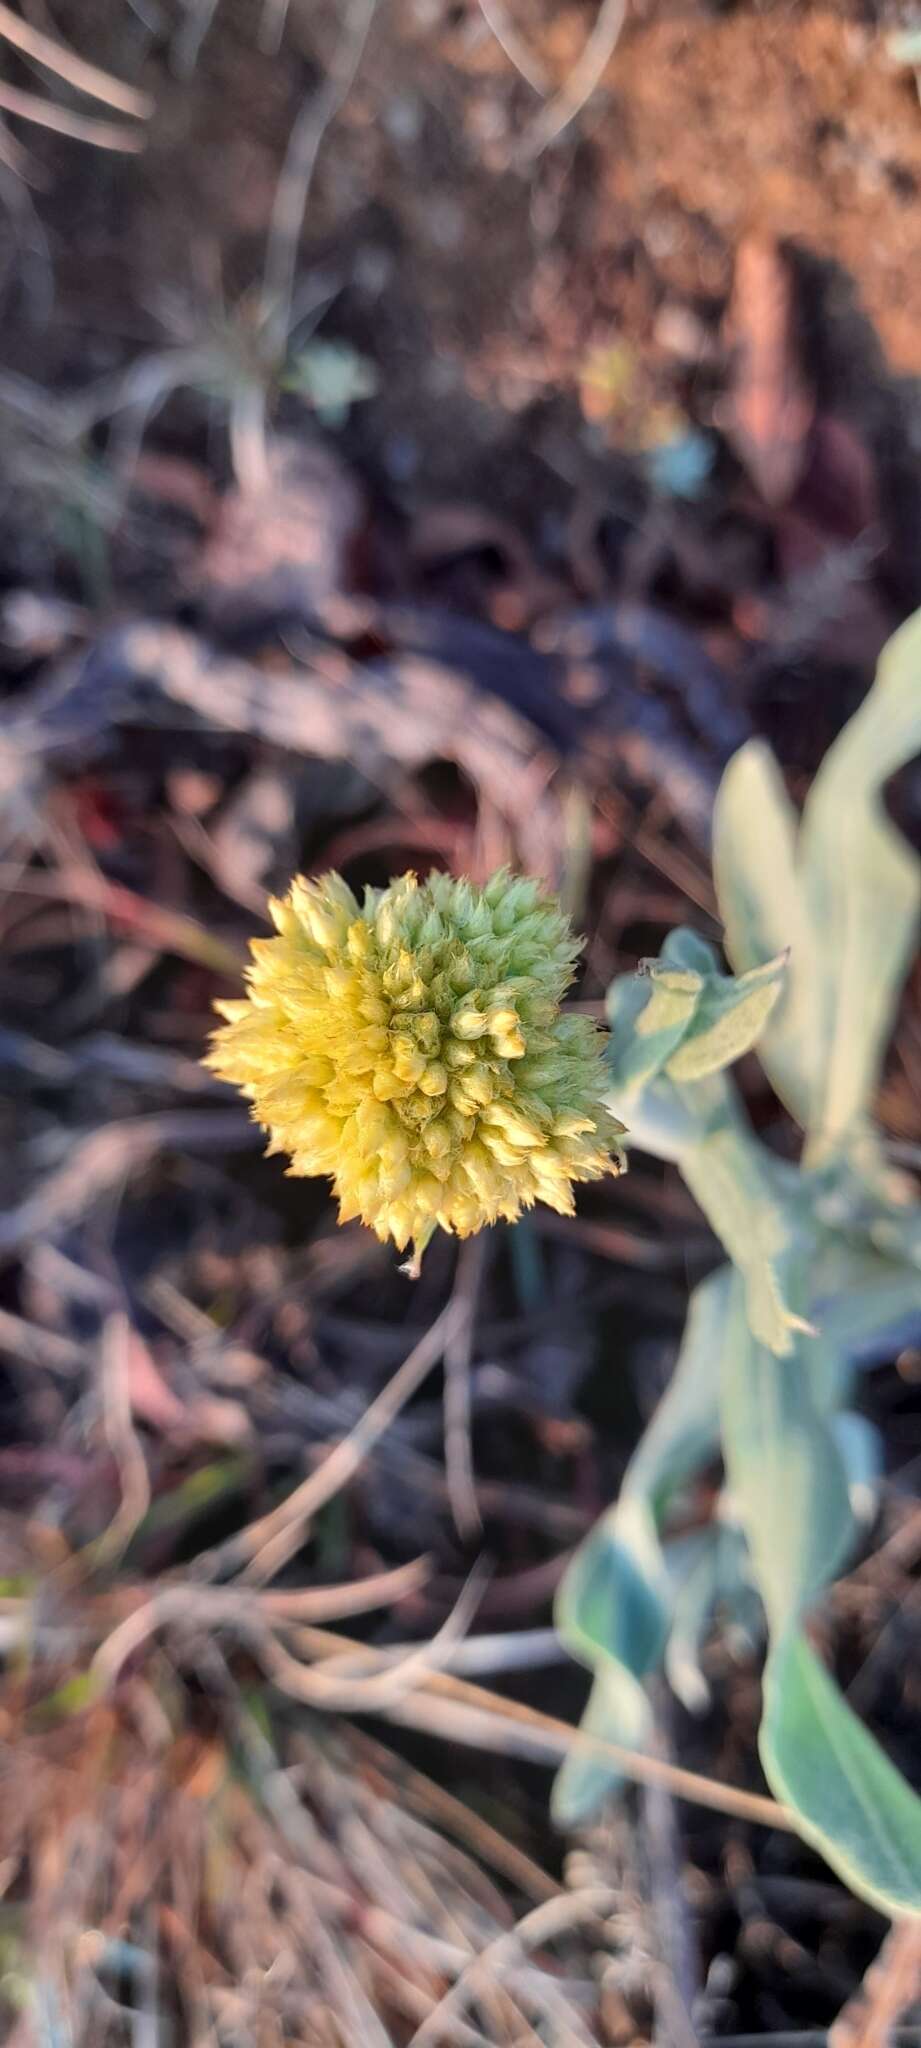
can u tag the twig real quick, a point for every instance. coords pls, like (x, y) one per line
(458, 1353)
(267, 1543)
(29, 1344)
(297, 170)
(516, 49)
(440, 1703)
(583, 78)
(453, 1814)
(272, 26)
(358, 1596)
(99, 1159)
(99, 85)
(381, 1688)
(676, 1983)
(521, 1649)
(81, 127)
(211, 1608)
(543, 1923)
(560, 1738)
(123, 1441)
(16, 158)
(188, 43)
(891, 1985)
(169, 930)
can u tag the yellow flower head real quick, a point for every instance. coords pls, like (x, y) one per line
(413, 1048)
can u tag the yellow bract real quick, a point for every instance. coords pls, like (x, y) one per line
(413, 1049)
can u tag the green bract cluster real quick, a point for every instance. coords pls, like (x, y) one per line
(413, 1048)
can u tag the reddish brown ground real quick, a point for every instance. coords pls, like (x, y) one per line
(467, 264)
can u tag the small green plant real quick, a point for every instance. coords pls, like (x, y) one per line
(238, 360)
(824, 1268)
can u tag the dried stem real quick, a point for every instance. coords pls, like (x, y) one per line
(84, 77)
(457, 1358)
(267, 1543)
(81, 127)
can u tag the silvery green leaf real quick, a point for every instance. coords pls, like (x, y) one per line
(846, 1796)
(683, 1432)
(863, 1303)
(709, 1570)
(610, 1615)
(700, 1126)
(660, 1025)
(609, 1608)
(693, 1601)
(630, 1062)
(790, 1484)
(785, 1474)
(862, 884)
(730, 1174)
(612, 1609)
(861, 1450)
(685, 950)
(657, 1119)
(843, 892)
(617, 1711)
(765, 913)
(728, 1019)
(859, 1305)
(643, 1030)
(895, 1230)
(683, 1016)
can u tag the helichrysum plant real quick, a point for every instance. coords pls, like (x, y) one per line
(413, 1048)
(823, 1275)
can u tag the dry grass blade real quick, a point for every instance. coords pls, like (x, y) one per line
(29, 1344)
(269, 1542)
(80, 127)
(437, 1804)
(514, 45)
(345, 1991)
(544, 1923)
(238, 1609)
(123, 1441)
(436, 1701)
(890, 1987)
(284, 1895)
(169, 930)
(358, 1596)
(381, 1688)
(506, 1728)
(105, 1157)
(585, 75)
(294, 183)
(84, 77)
(558, 1738)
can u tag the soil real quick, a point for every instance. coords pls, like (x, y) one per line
(480, 271)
